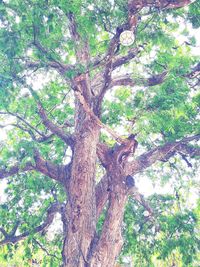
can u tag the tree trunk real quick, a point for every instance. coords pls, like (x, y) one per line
(110, 242)
(81, 207)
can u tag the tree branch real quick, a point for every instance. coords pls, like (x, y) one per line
(163, 153)
(81, 46)
(12, 239)
(53, 63)
(60, 67)
(41, 139)
(121, 60)
(195, 72)
(19, 117)
(4, 173)
(135, 6)
(126, 80)
(109, 64)
(140, 199)
(96, 119)
(3, 231)
(102, 193)
(46, 167)
(67, 138)
(56, 172)
(44, 249)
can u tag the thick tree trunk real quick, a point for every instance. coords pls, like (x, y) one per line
(81, 207)
(110, 242)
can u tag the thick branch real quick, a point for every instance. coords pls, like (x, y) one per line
(12, 239)
(137, 5)
(102, 193)
(46, 167)
(121, 60)
(56, 172)
(4, 173)
(126, 80)
(163, 153)
(60, 67)
(102, 153)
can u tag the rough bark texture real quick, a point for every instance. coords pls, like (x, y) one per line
(110, 242)
(81, 208)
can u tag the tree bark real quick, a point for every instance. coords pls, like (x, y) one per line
(110, 242)
(81, 207)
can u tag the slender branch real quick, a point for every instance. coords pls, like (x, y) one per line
(30, 132)
(109, 64)
(12, 239)
(117, 60)
(23, 120)
(55, 129)
(14, 230)
(44, 249)
(62, 68)
(195, 72)
(140, 199)
(3, 231)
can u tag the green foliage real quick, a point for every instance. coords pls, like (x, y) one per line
(162, 113)
(169, 235)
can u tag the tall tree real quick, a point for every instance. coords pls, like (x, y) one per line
(68, 86)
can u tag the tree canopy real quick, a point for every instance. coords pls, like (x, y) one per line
(87, 118)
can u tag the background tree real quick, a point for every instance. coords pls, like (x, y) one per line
(68, 91)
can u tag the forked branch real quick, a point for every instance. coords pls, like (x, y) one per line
(46, 167)
(11, 238)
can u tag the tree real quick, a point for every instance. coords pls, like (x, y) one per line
(64, 153)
